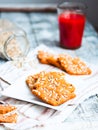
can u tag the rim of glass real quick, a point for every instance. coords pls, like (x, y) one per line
(72, 5)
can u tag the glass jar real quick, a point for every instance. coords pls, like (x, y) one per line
(13, 41)
(71, 21)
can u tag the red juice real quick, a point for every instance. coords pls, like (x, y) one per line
(71, 26)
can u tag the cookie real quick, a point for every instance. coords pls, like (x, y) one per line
(48, 58)
(11, 118)
(51, 87)
(74, 66)
(43, 57)
(5, 108)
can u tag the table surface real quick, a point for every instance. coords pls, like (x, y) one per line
(42, 28)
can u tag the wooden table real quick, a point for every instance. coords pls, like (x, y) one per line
(42, 28)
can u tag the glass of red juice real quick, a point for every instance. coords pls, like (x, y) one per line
(71, 23)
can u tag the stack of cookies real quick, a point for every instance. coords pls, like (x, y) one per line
(51, 87)
(67, 63)
(6, 114)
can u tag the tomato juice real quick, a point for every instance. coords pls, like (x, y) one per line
(71, 27)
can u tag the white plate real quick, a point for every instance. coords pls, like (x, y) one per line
(19, 90)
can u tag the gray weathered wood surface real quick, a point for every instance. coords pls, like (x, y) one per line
(42, 28)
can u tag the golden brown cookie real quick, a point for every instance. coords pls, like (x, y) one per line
(74, 66)
(12, 118)
(5, 108)
(51, 87)
(48, 58)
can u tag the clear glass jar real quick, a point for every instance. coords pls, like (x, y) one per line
(13, 41)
